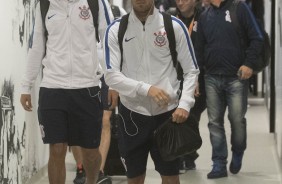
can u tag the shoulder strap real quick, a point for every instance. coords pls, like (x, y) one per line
(236, 23)
(172, 47)
(233, 13)
(171, 37)
(94, 8)
(121, 31)
(44, 7)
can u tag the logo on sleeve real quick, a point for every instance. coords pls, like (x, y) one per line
(160, 39)
(84, 12)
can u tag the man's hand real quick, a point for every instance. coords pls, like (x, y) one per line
(197, 90)
(245, 72)
(112, 99)
(26, 102)
(159, 96)
(180, 115)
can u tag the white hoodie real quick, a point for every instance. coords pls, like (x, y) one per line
(147, 61)
(71, 55)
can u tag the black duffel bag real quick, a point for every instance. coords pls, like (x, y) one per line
(175, 140)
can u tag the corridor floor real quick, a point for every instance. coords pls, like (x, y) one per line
(260, 163)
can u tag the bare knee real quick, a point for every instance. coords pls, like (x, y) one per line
(170, 179)
(137, 180)
(58, 151)
(90, 155)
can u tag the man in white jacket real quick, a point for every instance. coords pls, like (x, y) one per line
(148, 86)
(69, 111)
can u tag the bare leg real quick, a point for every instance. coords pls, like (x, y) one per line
(56, 163)
(170, 179)
(136, 180)
(77, 154)
(80, 172)
(105, 138)
(91, 163)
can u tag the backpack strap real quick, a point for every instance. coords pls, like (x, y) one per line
(121, 32)
(171, 37)
(172, 47)
(44, 7)
(94, 8)
(233, 13)
(236, 24)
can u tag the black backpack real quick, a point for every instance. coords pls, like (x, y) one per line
(265, 54)
(94, 8)
(171, 40)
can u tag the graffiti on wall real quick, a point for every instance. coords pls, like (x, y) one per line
(23, 20)
(13, 167)
(12, 140)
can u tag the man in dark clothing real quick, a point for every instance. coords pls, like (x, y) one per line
(188, 11)
(228, 66)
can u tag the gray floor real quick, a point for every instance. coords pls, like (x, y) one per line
(260, 164)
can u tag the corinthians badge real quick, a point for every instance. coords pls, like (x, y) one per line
(160, 39)
(84, 12)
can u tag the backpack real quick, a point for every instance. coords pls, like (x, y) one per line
(265, 53)
(94, 8)
(171, 40)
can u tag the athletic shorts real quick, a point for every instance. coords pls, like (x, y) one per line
(72, 116)
(104, 94)
(136, 142)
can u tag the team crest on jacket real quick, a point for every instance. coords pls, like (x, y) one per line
(84, 12)
(160, 39)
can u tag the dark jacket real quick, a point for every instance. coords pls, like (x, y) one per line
(200, 102)
(218, 47)
(187, 22)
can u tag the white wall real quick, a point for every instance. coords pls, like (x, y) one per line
(21, 150)
(278, 76)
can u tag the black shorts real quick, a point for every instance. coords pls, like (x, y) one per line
(72, 116)
(104, 94)
(136, 142)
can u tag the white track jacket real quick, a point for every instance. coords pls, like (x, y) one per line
(71, 59)
(147, 61)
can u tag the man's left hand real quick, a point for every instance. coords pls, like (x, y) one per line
(112, 99)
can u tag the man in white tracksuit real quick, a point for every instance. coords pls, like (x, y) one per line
(69, 111)
(148, 86)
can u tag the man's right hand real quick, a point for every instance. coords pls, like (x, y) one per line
(159, 96)
(26, 102)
